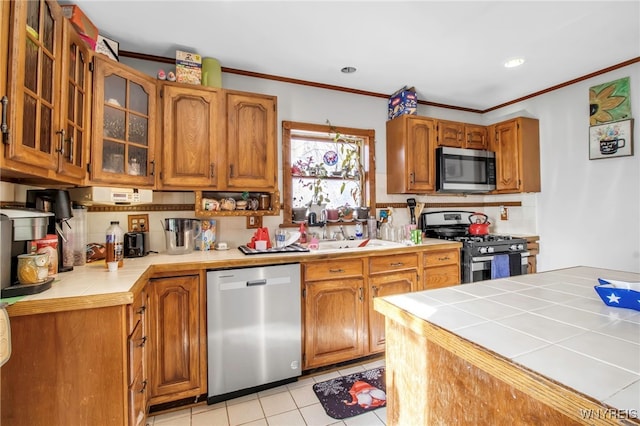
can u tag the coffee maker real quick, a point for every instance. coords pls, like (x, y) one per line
(56, 201)
(18, 226)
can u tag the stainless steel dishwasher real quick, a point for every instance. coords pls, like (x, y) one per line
(253, 329)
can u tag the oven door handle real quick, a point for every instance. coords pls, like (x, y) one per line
(490, 258)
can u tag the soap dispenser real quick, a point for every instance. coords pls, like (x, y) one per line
(303, 234)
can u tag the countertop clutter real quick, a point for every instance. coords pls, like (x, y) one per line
(540, 346)
(93, 285)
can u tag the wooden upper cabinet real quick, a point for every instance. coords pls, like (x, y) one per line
(475, 136)
(75, 113)
(461, 135)
(410, 154)
(124, 125)
(450, 133)
(517, 147)
(192, 137)
(252, 162)
(33, 87)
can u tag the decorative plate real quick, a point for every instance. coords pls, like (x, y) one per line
(330, 158)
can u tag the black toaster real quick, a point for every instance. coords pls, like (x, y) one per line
(136, 244)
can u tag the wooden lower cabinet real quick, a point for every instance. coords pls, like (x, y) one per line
(441, 268)
(533, 247)
(333, 306)
(177, 338)
(339, 321)
(72, 368)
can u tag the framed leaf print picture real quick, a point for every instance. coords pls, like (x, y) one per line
(614, 139)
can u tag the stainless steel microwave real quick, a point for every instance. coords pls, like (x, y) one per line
(465, 170)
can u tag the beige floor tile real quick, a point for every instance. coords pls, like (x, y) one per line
(272, 391)
(382, 414)
(326, 376)
(345, 371)
(305, 381)
(304, 396)
(290, 418)
(215, 417)
(175, 418)
(259, 422)
(364, 419)
(245, 412)
(241, 399)
(204, 407)
(314, 415)
(277, 403)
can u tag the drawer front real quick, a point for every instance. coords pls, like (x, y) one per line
(393, 263)
(444, 257)
(136, 310)
(136, 343)
(137, 401)
(442, 276)
(329, 270)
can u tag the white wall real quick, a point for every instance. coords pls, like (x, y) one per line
(588, 212)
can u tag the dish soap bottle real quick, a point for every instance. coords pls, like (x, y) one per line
(358, 230)
(303, 234)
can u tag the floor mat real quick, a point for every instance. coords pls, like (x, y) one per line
(354, 394)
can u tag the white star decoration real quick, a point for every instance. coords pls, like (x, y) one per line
(613, 298)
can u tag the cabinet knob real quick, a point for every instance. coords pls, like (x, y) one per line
(153, 168)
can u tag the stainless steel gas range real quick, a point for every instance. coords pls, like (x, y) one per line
(483, 257)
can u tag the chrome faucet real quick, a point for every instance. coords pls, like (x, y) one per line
(344, 233)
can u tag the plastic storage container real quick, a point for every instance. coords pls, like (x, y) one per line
(78, 225)
(114, 244)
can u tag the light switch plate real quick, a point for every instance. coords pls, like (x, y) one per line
(254, 222)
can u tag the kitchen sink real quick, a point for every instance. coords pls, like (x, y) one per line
(353, 245)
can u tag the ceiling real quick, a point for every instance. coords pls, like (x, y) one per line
(452, 52)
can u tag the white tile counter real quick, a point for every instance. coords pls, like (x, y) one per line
(552, 323)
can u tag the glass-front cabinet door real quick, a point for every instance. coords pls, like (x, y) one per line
(34, 83)
(124, 108)
(73, 137)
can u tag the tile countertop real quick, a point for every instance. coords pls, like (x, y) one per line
(553, 323)
(92, 285)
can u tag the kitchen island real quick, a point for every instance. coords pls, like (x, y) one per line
(532, 349)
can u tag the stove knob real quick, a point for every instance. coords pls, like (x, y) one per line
(482, 250)
(520, 246)
(514, 247)
(490, 249)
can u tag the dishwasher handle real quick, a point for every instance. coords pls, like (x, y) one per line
(256, 282)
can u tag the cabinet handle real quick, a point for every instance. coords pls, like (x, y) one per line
(144, 386)
(143, 341)
(4, 127)
(70, 149)
(339, 270)
(360, 294)
(412, 177)
(141, 310)
(394, 264)
(375, 291)
(153, 168)
(61, 149)
(230, 170)
(444, 258)
(211, 170)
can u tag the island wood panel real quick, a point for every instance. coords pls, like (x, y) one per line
(420, 356)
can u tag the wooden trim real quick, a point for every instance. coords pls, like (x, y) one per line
(456, 205)
(143, 56)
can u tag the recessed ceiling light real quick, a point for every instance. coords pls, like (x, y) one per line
(514, 62)
(348, 70)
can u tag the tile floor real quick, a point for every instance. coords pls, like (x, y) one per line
(294, 404)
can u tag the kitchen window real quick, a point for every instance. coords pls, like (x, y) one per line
(327, 167)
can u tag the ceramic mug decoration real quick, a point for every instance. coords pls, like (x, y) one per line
(611, 146)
